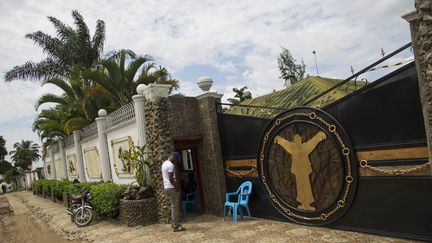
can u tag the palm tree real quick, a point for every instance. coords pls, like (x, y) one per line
(81, 98)
(70, 47)
(25, 153)
(119, 79)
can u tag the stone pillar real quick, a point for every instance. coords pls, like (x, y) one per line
(63, 159)
(103, 145)
(421, 33)
(159, 141)
(53, 167)
(139, 104)
(211, 156)
(79, 156)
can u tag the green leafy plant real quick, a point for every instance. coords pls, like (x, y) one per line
(105, 198)
(137, 157)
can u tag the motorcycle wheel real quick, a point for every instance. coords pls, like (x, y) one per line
(83, 217)
(73, 208)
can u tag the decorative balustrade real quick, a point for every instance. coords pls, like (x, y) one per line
(120, 116)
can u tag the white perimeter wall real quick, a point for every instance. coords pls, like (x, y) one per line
(87, 144)
(116, 134)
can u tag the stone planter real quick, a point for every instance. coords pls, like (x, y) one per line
(138, 212)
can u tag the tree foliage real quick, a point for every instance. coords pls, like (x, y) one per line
(71, 46)
(291, 72)
(3, 150)
(24, 153)
(241, 95)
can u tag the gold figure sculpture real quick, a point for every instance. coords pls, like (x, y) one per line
(301, 165)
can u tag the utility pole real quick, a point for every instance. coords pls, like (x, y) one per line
(316, 63)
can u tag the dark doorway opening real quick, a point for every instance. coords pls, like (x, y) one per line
(189, 171)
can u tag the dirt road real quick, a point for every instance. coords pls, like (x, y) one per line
(18, 224)
(49, 223)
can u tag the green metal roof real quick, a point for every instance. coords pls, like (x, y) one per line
(296, 95)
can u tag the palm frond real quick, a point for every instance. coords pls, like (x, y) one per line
(98, 39)
(49, 98)
(134, 66)
(63, 85)
(45, 69)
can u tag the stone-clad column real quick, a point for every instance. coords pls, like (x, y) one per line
(212, 162)
(63, 159)
(79, 156)
(103, 145)
(421, 33)
(159, 141)
(53, 167)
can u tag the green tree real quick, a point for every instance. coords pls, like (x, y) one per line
(70, 47)
(5, 166)
(119, 79)
(3, 150)
(78, 105)
(291, 72)
(241, 95)
(25, 153)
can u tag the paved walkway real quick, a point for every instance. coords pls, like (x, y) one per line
(204, 228)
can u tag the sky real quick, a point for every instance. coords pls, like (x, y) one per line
(234, 42)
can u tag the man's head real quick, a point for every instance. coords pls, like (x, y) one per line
(297, 139)
(174, 157)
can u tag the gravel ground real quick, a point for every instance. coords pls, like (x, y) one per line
(205, 228)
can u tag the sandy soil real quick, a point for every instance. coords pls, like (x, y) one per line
(18, 224)
(204, 228)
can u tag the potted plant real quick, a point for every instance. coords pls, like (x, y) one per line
(138, 206)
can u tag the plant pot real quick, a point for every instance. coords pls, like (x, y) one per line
(138, 212)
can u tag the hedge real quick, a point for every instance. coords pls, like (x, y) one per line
(105, 196)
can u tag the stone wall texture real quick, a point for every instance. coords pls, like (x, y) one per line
(184, 116)
(159, 145)
(138, 212)
(180, 117)
(422, 43)
(213, 179)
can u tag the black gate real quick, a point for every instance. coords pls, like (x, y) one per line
(384, 123)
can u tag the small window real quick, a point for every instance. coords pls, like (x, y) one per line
(187, 159)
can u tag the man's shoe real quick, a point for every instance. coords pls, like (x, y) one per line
(180, 228)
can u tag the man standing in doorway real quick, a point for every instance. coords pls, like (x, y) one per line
(172, 188)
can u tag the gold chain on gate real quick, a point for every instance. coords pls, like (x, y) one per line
(364, 164)
(239, 174)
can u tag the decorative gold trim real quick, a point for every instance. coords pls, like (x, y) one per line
(390, 154)
(242, 173)
(349, 178)
(114, 142)
(88, 149)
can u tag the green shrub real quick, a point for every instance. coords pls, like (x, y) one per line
(77, 188)
(60, 186)
(105, 198)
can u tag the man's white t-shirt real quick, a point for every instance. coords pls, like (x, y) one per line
(167, 167)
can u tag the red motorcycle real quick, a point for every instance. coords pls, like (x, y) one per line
(80, 211)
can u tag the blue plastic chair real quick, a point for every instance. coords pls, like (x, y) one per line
(190, 199)
(242, 193)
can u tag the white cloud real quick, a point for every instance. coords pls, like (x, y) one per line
(233, 37)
